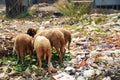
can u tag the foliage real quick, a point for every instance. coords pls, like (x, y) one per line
(6, 59)
(67, 56)
(22, 67)
(19, 67)
(72, 27)
(23, 15)
(86, 19)
(100, 19)
(40, 19)
(55, 56)
(26, 14)
(72, 10)
(118, 17)
(55, 59)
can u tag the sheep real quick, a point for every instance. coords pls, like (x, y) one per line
(23, 46)
(67, 36)
(56, 39)
(43, 48)
(31, 31)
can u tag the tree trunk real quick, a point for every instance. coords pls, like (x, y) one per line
(14, 8)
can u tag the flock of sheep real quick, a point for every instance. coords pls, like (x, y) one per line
(42, 41)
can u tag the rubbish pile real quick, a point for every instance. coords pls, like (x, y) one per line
(95, 50)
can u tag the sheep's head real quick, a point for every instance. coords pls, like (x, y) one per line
(31, 31)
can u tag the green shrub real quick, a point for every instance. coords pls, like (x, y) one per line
(118, 17)
(22, 67)
(25, 14)
(100, 19)
(73, 10)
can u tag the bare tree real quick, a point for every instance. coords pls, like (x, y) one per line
(14, 8)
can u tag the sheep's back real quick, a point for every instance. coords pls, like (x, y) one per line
(23, 43)
(55, 37)
(41, 42)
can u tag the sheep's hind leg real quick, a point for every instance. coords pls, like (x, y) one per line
(18, 57)
(39, 60)
(49, 59)
(22, 58)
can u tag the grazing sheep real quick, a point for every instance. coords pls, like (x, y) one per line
(31, 31)
(43, 48)
(23, 46)
(56, 39)
(67, 36)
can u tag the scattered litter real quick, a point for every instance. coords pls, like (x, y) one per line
(63, 76)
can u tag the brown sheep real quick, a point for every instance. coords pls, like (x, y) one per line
(23, 46)
(67, 36)
(31, 31)
(56, 39)
(43, 48)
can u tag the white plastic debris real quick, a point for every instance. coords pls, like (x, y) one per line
(51, 66)
(80, 78)
(106, 78)
(46, 22)
(110, 52)
(93, 23)
(69, 68)
(88, 73)
(110, 61)
(73, 61)
(75, 39)
(97, 72)
(41, 28)
(63, 76)
(2, 75)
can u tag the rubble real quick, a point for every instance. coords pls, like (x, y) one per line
(95, 53)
